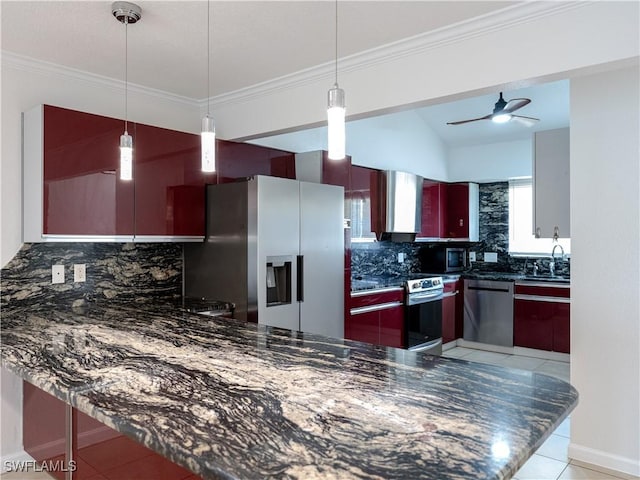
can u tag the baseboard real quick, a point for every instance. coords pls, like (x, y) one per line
(525, 352)
(15, 458)
(604, 462)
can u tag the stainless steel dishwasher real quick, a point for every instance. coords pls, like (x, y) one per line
(488, 312)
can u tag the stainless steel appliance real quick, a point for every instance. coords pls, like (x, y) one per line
(441, 259)
(488, 312)
(423, 319)
(399, 216)
(275, 248)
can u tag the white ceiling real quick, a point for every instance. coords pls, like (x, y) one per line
(251, 41)
(256, 41)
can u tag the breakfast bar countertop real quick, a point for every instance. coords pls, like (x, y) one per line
(227, 399)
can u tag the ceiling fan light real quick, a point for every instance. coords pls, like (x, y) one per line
(501, 118)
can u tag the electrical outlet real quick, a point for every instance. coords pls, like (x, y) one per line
(57, 273)
(490, 257)
(79, 272)
(472, 256)
(401, 257)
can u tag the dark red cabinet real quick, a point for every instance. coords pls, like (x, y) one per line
(542, 318)
(377, 317)
(237, 160)
(72, 158)
(457, 214)
(434, 210)
(99, 451)
(169, 185)
(82, 193)
(451, 311)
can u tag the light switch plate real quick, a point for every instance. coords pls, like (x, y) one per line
(491, 257)
(472, 256)
(57, 273)
(400, 257)
(79, 272)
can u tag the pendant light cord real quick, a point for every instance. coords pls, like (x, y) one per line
(126, 70)
(208, 59)
(336, 43)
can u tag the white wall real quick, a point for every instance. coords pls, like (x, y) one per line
(491, 162)
(23, 87)
(605, 269)
(477, 57)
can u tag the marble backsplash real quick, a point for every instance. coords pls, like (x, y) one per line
(381, 258)
(115, 272)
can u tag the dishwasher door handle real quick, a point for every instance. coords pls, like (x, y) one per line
(489, 289)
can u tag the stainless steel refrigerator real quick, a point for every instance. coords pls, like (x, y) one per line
(275, 248)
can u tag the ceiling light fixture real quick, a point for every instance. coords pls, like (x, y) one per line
(336, 137)
(126, 13)
(208, 134)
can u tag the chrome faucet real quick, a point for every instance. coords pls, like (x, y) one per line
(552, 264)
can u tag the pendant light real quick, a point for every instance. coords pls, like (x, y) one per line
(336, 136)
(126, 13)
(208, 134)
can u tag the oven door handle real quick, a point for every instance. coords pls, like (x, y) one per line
(426, 346)
(450, 294)
(418, 298)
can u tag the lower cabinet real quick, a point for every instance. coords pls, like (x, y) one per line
(451, 311)
(99, 452)
(542, 317)
(377, 316)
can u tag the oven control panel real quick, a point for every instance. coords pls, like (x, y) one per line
(424, 285)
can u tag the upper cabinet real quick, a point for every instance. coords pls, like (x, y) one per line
(71, 178)
(169, 184)
(463, 211)
(362, 179)
(551, 183)
(73, 192)
(449, 211)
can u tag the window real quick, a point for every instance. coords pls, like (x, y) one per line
(521, 238)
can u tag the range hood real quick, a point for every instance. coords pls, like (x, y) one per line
(398, 213)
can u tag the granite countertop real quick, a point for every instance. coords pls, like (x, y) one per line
(227, 399)
(514, 277)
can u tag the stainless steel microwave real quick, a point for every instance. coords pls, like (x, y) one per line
(441, 259)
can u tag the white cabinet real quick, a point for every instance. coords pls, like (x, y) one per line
(551, 183)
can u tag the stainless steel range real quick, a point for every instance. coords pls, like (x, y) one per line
(423, 319)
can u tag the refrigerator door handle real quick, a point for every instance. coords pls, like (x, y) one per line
(300, 278)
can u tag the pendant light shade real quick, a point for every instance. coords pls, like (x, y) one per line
(335, 123)
(126, 156)
(208, 140)
(126, 13)
(208, 133)
(336, 136)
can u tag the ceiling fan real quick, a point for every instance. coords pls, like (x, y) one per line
(503, 112)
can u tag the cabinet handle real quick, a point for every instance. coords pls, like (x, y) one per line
(374, 308)
(540, 298)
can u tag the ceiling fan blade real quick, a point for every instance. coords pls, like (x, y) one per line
(486, 117)
(528, 121)
(515, 104)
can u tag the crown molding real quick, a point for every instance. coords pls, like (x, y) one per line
(41, 67)
(508, 17)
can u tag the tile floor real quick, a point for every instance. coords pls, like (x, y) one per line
(550, 462)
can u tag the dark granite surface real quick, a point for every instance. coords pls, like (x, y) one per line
(233, 400)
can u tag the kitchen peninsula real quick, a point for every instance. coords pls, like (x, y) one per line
(228, 399)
